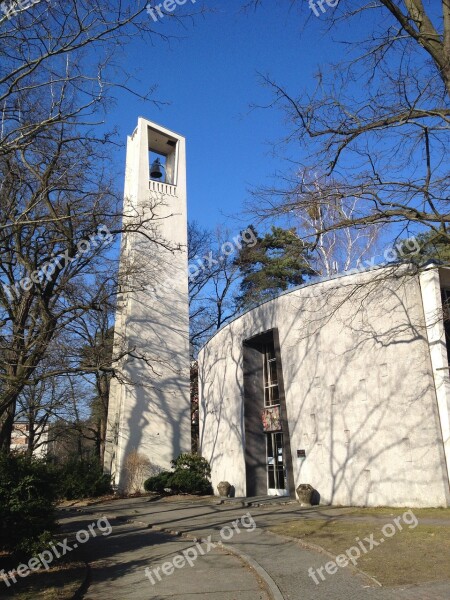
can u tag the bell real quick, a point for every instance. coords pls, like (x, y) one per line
(156, 170)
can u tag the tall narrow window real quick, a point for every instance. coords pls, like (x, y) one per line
(267, 445)
(271, 389)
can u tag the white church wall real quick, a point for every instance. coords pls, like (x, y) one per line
(432, 280)
(360, 395)
(149, 408)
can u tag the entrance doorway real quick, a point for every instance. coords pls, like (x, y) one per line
(267, 445)
(276, 470)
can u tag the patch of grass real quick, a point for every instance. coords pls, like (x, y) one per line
(421, 513)
(411, 556)
(56, 584)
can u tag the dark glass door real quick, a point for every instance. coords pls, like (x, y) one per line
(276, 471)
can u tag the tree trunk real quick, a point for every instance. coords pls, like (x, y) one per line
(6, 428)
(103, 385)
(31, 434)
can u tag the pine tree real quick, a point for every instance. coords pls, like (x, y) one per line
(279, 260)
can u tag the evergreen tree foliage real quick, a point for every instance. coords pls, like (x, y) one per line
(279, 260)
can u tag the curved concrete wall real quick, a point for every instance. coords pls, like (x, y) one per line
(359, 387)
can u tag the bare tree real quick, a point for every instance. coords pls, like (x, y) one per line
(377, 125)
(96, 330)
(59, 209)
(70, 430)
(213, 275)
(53, 407)
(138, 468)
(332, 250)
(35, 406)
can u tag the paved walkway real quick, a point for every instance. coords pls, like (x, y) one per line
(118, 564)
(119, 561)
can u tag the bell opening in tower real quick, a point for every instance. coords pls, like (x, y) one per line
(163, 156)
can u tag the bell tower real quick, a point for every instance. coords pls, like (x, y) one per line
(149, 405)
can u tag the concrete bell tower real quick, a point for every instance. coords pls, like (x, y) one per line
(149, 406)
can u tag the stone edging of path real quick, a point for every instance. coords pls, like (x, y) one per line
(274, 590)
(320, 550)
(270, 583)
(271, 587)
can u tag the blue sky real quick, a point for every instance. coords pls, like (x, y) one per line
(208, 75)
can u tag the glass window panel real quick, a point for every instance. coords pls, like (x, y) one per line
(280, 477)
(271, 391)
(269, 351)
(275, 395)
(273, 372)
(266, 373)
(271, 474)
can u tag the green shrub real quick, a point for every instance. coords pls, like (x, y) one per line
(193, 463)
(188, 482)
(34, 546)
(28, 493)
(158, 483)
(82, 478)
(190, 476)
